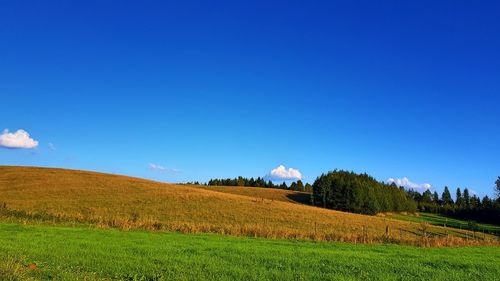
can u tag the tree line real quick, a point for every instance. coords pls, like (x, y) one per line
(361, 193)
(260, 182)
(465, 205)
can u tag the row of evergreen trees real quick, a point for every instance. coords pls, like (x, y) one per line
(260, 182)
(464, 206)
(428, 201)
(359, 193)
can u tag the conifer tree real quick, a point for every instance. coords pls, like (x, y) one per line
(466, 198)
(300, 185)
(435, 198)
(459, 200)
(446, 197)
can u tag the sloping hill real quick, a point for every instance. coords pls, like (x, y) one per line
(104, 200)
(272, 194)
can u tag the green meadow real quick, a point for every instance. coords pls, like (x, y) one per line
(440, 220)
(40, 252)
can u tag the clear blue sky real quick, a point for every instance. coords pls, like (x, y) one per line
(399, 89)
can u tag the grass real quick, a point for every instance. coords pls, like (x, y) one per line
(78, 197)
(436, 219)
(76, 253)
(272, 194)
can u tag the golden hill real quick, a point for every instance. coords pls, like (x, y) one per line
(272, 194)
(104, 200)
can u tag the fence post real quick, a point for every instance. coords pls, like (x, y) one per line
(364, 234)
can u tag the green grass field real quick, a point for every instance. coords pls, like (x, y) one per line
(77, 253)
(440, 220)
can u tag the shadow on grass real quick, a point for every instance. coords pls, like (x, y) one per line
(302, 198)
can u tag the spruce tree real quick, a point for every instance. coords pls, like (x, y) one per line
(427, 197)
(466, 198)
(486, 202)
(283, 186)
(300, 185)
(435, 198)
(446, 197)
(460, 200)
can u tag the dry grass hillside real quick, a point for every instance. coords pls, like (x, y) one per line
(272, 194)
(67, 196)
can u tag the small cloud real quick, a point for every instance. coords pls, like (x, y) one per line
(159, 168)
(52, 146)
(473, 192)
(70, 158)
(282, 173)
(19, 139)
(406, 183)
(154, 167)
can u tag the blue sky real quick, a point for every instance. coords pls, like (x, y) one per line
(208, 89)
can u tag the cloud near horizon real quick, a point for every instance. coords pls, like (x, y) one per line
(19, 139)
(406, 183)
(283, 174)
(155, 167)
(51, 146)
(161, 169)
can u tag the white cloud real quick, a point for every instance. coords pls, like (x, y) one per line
(19, 139)
(406, 183)
(155, 167)
(282, 173)
(162, 169)
(52, 146)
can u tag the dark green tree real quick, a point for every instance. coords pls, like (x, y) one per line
(359, 193)
(486, 203)
(300, 185)
(240, 181)
(446, 197)
(427, 197)
(466, 198)
(435, 198)
(459, 203)
(475, 202)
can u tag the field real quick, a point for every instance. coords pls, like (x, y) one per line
(272, 194)
(440, 220)
(82, 253)
(78, 225)
(68, 197)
